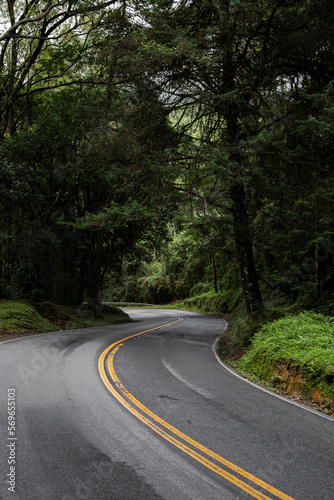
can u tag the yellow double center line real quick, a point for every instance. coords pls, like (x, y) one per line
(173, 435)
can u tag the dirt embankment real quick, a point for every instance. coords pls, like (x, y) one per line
(292, 381)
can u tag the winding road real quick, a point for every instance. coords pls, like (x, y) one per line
(145, 410)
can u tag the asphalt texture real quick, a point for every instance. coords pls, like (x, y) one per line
(72, 439)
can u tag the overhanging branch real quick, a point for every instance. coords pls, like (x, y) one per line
(42, 14)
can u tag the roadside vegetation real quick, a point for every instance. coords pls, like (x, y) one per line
(296, 355)
(21, 318)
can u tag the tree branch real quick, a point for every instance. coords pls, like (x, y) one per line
(10, 33)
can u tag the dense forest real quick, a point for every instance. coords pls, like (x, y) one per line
(156, 150)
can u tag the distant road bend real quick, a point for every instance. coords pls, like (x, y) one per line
(145, 411)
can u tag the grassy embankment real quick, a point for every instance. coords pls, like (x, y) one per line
(18, 318)
(295, 355)
(289, 351)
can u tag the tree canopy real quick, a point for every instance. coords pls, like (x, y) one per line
(192, 137)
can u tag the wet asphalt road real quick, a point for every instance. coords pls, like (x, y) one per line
(156, 417)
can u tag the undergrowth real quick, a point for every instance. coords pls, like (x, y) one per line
(304, 342)
(20, 318)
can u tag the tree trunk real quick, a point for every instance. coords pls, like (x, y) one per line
(93, 298)
(245, 256)
(243, 242)
(214, 272)
(97, 266)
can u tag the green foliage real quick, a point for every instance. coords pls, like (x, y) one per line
(199, 289)
(17, 317)
(211, 302)
(66, 177)
(305, 341)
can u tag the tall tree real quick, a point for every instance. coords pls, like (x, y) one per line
(224, 64)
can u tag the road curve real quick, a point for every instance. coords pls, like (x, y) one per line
(145, 411)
